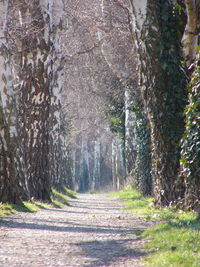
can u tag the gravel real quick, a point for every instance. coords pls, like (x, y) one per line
(93, 231)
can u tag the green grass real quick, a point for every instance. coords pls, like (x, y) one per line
(93, 192)
(69, 193)
(174, 244)
(42, 205)
(66, 192)
(7, 209)
(58, 200)
(175, 238)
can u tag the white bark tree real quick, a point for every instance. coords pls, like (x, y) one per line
(9, 157)
(32, 80)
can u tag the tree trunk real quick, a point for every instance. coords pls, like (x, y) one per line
(191, 142)
(190, 145)
(9, 173)
(163, 83)
(96, 169)
(130, 134)
(33, 68)
(31, 63)
(190, 37)
(84, 167)
(9, 185)
(59, 152)
(118, 164)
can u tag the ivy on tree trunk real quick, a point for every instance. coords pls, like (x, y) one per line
(163, 89)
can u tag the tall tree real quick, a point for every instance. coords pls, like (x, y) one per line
(163, 83)
(190, 144)
(32, 80)
(9, 158)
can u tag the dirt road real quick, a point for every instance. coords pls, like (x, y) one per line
(93, 231)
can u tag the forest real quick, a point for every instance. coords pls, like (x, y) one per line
(97, 95)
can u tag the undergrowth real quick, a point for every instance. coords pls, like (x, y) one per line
(59, 199)
(175, 238)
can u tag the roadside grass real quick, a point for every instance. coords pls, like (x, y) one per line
(67, 192)
(175, 238)
(7, 209)
(59, 199)
(93, 192)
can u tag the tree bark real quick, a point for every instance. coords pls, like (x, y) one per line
(10, 190)
(190, 37)
(97, 166)
(190, 144)
(163, 83)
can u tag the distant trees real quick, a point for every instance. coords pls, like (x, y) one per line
(91, 88)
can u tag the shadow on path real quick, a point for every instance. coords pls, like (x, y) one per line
(90, 233)
(104, 253)
(74, 227)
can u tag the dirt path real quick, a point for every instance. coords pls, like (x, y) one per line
(93, 231)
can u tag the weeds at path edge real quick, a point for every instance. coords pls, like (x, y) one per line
(59, 199)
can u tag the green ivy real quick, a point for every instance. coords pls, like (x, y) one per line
(190, 144)
(165, 94)
(142, 171)
(115, 111)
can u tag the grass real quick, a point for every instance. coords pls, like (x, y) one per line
(58, 200)
(93, 192)
(7, 209)
(175, 238)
